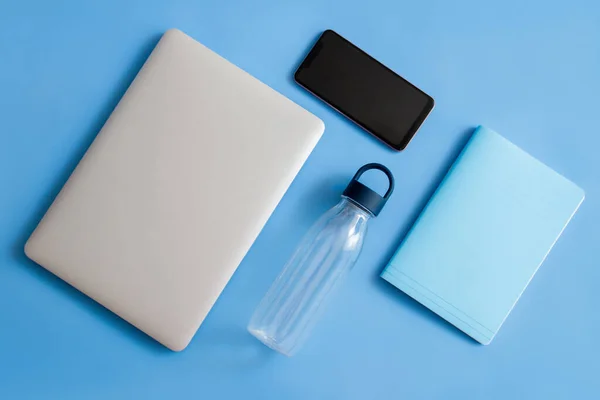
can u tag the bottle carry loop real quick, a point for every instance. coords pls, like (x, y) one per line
(365, 196)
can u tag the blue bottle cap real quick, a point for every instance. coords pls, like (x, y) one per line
(366, 197)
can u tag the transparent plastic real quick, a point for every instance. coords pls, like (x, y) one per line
(293, 304)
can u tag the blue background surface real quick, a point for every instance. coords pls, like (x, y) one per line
(528, 69)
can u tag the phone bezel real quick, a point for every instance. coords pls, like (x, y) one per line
(314, 52)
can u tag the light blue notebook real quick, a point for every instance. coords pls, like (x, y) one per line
(483, 235)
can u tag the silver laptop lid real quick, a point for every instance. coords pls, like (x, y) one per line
(175, 189)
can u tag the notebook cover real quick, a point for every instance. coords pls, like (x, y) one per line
(483, 234)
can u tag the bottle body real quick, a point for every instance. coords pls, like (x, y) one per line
(293, 304)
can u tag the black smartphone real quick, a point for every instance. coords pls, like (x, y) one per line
(364, 90)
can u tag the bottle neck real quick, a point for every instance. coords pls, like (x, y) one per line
(352, 206)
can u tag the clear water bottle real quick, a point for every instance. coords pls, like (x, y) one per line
(289, 310)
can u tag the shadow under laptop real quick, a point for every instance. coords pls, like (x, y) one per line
(395, 293)
(46, 200)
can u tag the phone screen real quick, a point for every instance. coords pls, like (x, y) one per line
(364, 90)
